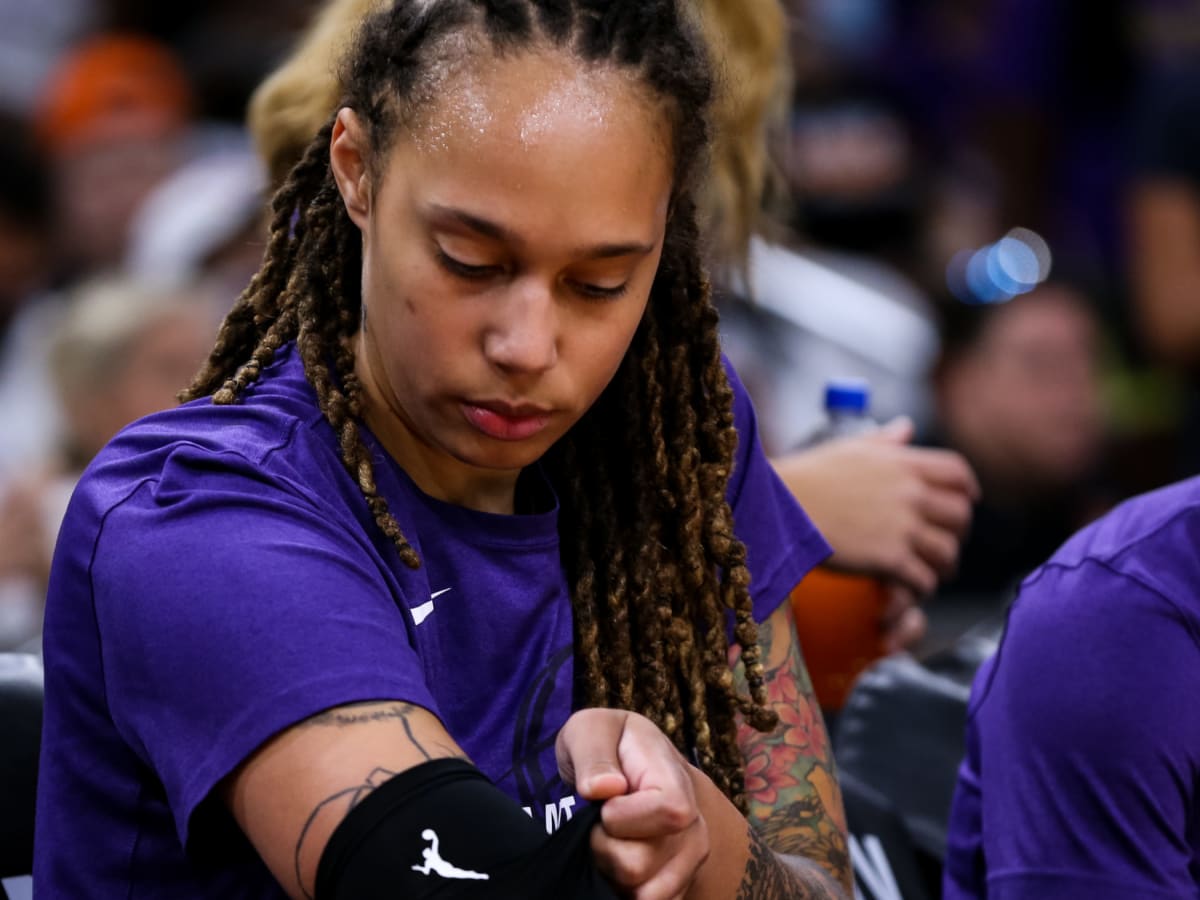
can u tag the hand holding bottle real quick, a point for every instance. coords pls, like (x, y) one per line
(888, 509)
(895, 516)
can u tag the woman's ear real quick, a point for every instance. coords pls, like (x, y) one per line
(348, 159)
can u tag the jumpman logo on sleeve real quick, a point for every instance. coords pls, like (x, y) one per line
(435, 863)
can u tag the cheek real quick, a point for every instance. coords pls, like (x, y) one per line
(396, 299)
(605, 343)
(420, 336)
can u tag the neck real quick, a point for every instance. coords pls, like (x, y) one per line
(431, 468)
(474, 489)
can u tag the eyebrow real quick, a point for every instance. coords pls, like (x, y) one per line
(496, 231)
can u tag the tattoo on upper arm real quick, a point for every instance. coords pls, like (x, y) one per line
(372, 711)
(795, 803)
(336, 807)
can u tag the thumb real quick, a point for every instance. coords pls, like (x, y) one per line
(587, 755)
(899, 430)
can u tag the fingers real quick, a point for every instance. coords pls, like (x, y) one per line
(654, 838)
(651, 838)
(661, 869)
(587, 754)
(950, 510)
(913, 571)
(928, 555)
(904, 623)
(906, 630)
(937, 548)
(900, 598)
(942, 507)
(650, 813)
(945, 468)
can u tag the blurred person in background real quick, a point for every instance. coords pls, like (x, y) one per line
(126, 348)
(113, 119)
(123, 351)
(1018, 393)
(836, 218)
(1033, 91)
(1164, 237)
(32, 35)
(226, 46)
(28, 417)
(206, 222)
(302, 91)
(890, 510)
(110, 123)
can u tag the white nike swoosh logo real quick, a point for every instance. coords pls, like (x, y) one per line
(422, 612)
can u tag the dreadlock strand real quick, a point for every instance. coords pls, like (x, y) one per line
(322, 339)
(614, 623)
(648, 626)
(576, 522)
(698, 575)
(265, 299)
(706, 615)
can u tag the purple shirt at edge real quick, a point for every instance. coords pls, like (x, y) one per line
(1082, 773)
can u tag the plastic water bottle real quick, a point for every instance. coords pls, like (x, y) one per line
(839, 617)
(847, 409)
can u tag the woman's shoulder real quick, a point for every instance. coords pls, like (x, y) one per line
(1137, 542)
(274, 434)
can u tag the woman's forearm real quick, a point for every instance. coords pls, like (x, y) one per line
(740, 864)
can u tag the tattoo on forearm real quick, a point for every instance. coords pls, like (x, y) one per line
(795, 803)
(771, 876)
(765, 877)
(336, 805)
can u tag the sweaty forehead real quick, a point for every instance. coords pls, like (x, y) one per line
(526, 96)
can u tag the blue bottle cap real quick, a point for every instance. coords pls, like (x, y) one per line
(847, 395)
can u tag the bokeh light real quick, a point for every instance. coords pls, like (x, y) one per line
(997, 272)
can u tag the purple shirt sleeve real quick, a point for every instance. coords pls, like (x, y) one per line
(230, 611)
(1083, 747)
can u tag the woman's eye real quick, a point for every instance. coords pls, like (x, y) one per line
(465, 270)
(597, 292)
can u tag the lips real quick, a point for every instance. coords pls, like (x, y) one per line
(506, 422)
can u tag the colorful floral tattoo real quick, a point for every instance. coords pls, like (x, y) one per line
(795, 804)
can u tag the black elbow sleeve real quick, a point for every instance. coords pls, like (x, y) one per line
(442, 830)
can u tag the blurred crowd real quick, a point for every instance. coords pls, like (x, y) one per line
(992, 213)
(989, 209)
(130, 218)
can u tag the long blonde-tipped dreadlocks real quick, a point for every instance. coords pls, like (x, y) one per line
(648, 543)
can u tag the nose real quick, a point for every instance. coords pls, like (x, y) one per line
(523, 336)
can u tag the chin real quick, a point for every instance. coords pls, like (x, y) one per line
(506, 457)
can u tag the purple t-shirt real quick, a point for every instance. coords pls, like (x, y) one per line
(218, 578)
(1082, 772)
